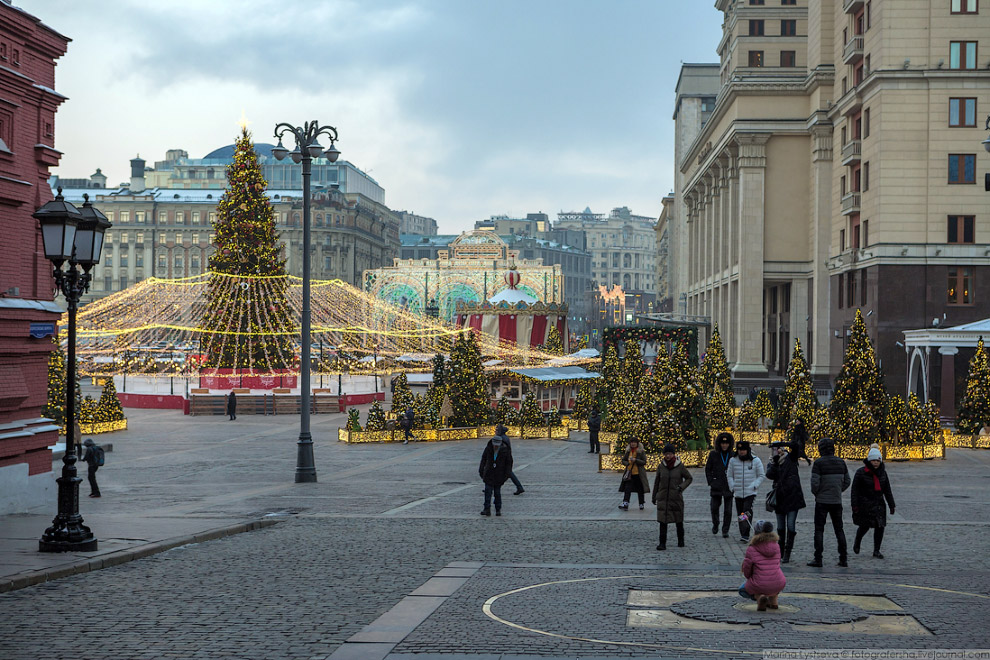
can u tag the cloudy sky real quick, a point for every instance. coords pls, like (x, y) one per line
(461, 109)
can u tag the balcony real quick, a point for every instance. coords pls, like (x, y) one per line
(853, 51)
(850, 203)
(851, 6)
(851, 152)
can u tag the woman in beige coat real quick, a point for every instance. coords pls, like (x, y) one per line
(634, 478)
(668, 488)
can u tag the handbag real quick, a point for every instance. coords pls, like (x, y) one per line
(772, 500)
(627, 475)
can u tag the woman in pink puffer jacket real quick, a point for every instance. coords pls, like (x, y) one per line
(761, 566)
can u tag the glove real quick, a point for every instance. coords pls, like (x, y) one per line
(891, 510)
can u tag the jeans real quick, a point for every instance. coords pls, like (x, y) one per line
(745, 504)
(745, 594)
(720, 503)
(789, 520)
(515, 481)
(833, 511)
(408, 431)
(489, 489)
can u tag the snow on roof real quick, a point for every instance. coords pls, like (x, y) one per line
(512, 296)
(556, 373)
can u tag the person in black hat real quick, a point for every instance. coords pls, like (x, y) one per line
(92, 460)
(671, 481)
(502, 431)
(715, 468)
(829, 478)
(496, 464)
(232, 405)
(745, 474)
(594, 427)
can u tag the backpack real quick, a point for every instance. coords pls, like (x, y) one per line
(99, 455)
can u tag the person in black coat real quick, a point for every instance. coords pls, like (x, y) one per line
(406, 422)
(718, 461)
(799, 440)
(870, 488)
(502, 431)
(783, 471)
(496, 464)
(594, 426)
(92, 462)
(232, 405)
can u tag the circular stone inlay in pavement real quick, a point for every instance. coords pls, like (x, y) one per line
(799, 610)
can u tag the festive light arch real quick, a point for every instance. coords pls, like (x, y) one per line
(155, 326)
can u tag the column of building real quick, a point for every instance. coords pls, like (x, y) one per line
(821, 226)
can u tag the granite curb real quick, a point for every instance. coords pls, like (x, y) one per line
(85, 565)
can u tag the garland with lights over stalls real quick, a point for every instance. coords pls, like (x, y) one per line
(680, 334)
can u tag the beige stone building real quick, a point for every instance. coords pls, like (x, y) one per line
(837, 171)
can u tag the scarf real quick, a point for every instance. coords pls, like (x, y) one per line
(876, 478)
(670, 462)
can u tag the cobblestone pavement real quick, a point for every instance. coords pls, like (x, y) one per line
(384, 519)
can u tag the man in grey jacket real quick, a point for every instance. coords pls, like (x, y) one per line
(829, 478)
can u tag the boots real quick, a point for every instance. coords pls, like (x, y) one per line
(680, 535)
(786, 559)
(773, 602)
(877, 541)
(662, 545)
(782, 542)
(761, 603)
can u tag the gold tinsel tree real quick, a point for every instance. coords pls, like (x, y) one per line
(402, 397)
(108, 408)
(859, 390)
(555, 344)
(239, 330)
(467, 383)
(798, 398)
(714, 370)
(974, 409)
(376, 418)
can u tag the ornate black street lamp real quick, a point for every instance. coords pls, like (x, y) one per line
(307, 148)
(76, 236)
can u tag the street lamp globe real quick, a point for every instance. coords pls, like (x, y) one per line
(986, 144)
(58, 219)
(332, 154)
(315, 149)
(89, 235)
(279, 151)
(296, 155)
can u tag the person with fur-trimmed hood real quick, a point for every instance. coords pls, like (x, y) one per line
(783, 471)
(870, 492)
(761, 567)
(745, 474)
(718, 482)
(668, 495)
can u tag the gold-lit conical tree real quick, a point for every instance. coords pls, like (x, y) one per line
(860, 402)
(974, 409)
(467, 383)
(714, 369)
(555, 344)
(240, 330)
(798, 398)
(55, 403)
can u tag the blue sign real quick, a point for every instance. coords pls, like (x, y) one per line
(39, 330)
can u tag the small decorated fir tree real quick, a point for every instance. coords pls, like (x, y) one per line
(376, 418)
(924, 420)
(714, 370)
(531, 416)
(798, 398)
(584, 401)
(55, 403)
(353, 420)
(402, 397)
(108, 408)
(859, 385)
(554, 345)
(609, 370)
(974, 409)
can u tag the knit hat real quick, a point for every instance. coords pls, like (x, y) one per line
(88, 442)
(874, 455)
(497, 441)
(763, 527)
(669, 449)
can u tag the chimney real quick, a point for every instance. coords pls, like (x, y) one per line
(137, 174)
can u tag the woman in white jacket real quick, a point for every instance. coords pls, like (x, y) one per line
(745, 474)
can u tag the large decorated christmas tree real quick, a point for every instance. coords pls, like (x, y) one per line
(859, 406)
(714, 369)
(683, 401)
(239, 329)
(974, 409)
(467, 383)
(402, 397)
(798, 398)
(108, 408)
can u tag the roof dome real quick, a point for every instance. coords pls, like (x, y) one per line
(227, 152)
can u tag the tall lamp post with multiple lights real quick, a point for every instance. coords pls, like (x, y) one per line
(74, 236)
(307, 148)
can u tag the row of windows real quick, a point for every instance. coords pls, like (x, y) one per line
(163, 238)
(788, 28)
(958, 289)
(960, 230)
(782, 2)
(788, 58)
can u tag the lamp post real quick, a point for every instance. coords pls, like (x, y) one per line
(307, 148)
(76, 236)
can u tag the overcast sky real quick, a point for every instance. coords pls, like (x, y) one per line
(460, 109)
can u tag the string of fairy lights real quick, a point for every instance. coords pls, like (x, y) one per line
(157, 328)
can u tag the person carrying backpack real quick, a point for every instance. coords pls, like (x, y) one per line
(406, 421)
(93, 458)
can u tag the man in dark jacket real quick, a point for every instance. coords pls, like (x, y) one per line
(718, 461)
(594, 426)
(232, 405)
(502, 431)
(92, 462)
(829, 478)
(406, 422)
(496, 464)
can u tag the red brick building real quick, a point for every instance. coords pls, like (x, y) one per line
(28, 101)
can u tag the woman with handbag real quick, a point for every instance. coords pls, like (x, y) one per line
(634, 478)
(787, 497)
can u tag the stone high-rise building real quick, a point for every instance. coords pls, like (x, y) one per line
(838, 171)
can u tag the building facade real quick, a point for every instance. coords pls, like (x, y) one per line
(665, 302)
(838, 172)
(623, 249)
(410, 223)
(28, 102)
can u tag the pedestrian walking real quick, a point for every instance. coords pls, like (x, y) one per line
(232, 405)
(752, 394)
(829, 478)
(718, 482)
(92, 458)
(870, 492)
(774, 398)
(634, 479)
(788, 496)
(745, 474)
(799, 439)
(406, 422)
(761, 568)
(594, 426)
(496, 464)
(668, 495)
(502, 431)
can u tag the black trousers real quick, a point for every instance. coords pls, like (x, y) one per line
(745, 505)
(628, 490)
(720, 502)
(663, 533)
(593, 438)
(833, 511)
(94, 488)
(877, 536)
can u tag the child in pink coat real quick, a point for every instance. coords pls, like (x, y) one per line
(761, 566)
